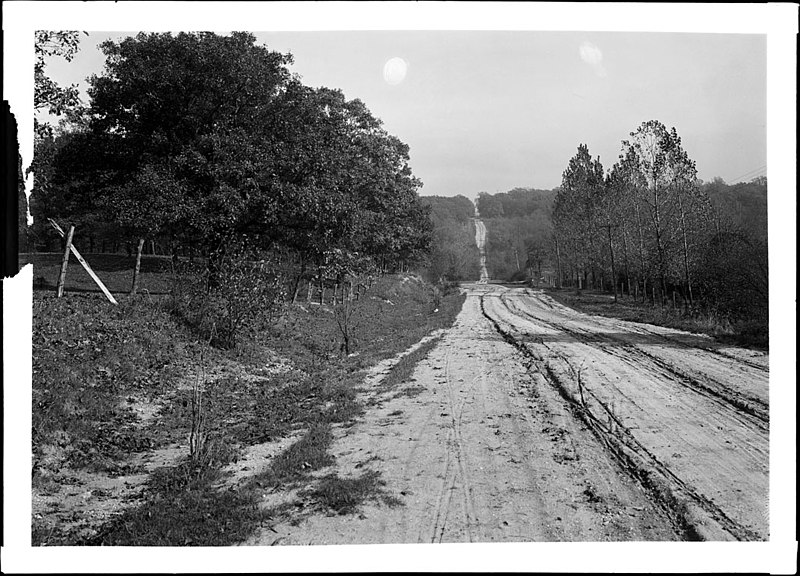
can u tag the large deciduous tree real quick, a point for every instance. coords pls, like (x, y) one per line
(200, 138)
(663, 180)
(48, 95)
(576, 211)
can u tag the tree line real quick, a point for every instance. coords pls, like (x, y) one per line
(518, 231)
(195, 141)
(648, 228)
(453, 255)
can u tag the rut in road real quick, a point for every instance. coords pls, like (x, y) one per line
(636, 356)
(699, 432)
(483, 450)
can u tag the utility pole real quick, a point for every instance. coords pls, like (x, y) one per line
(611, 248)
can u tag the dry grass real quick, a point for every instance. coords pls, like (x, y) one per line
(94, 363)
(752, 334)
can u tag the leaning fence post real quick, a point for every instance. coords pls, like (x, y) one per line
(63, 275)
(83, 262)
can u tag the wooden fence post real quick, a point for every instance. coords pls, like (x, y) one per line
(63, 275)
(83, 262)
(138, 265)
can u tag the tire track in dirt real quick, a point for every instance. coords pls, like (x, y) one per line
(559, 369)
(486, 451)
(635, 356)
(675, 343)
(694, 344)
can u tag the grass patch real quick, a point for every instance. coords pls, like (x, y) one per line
(410, 391)
(301, 458)
(89, 357)
(114, 270)
(751, 334)
(93, 363)
(401, 372)
(346, 495)
(184, 509)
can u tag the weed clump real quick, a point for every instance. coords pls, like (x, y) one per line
(304, 456)
(346, 495)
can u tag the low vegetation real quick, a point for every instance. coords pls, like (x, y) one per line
(112, 386)
(751, 334)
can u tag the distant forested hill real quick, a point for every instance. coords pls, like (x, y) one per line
(453, 255)
(743, 205)
(518, 232)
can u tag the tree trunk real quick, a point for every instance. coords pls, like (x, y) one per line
(299, 278)
(625, 258)
(137, 266)
(558, 264)
(685, 250)
(642, 268)
(64, 263)
(613, 268)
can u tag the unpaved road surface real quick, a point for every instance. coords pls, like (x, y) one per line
(669, 442)
(480, 242)
(690, 415)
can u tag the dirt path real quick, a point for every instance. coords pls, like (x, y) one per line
(480, 241)
(688, 414)
(489, 450)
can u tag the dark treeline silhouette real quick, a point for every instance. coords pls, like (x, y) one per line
(453, 255)
(647, 229)
(518, 232)
(196, 140)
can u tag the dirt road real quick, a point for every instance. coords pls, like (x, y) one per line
(669, 442)
(687, 414)
(480, 241)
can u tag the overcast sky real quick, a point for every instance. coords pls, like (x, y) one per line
(492, 110)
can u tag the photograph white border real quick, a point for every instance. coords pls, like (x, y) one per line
(777, 21)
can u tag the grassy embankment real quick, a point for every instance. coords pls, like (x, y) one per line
(748, 334)
(112, 387)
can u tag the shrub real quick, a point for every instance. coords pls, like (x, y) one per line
(240, 289)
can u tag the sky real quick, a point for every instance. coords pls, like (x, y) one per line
(493, 110)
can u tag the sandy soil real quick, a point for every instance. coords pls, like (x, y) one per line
(692, 414)
(493, 449)
(480, 240)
